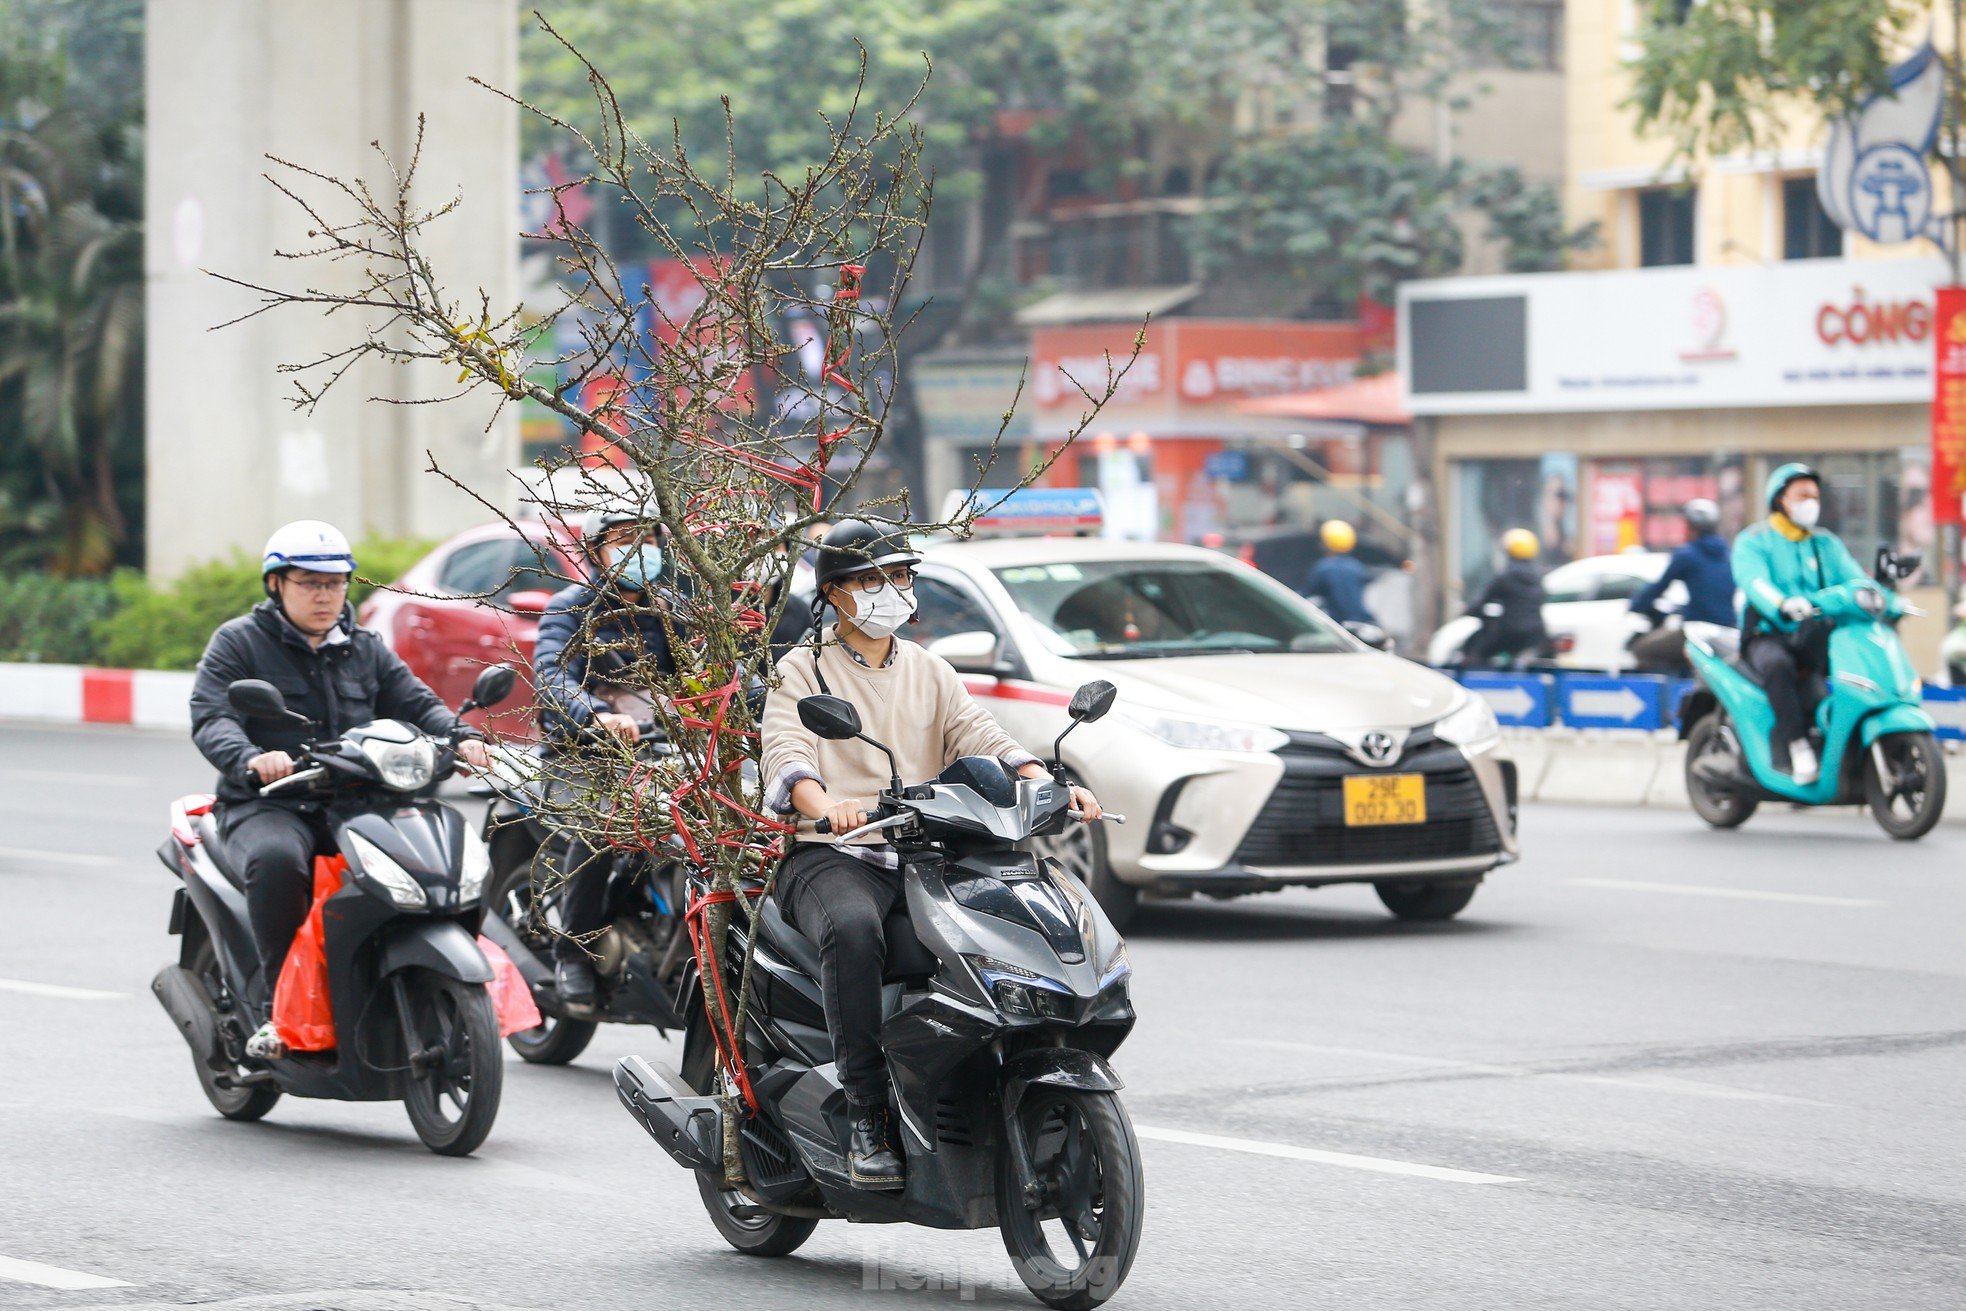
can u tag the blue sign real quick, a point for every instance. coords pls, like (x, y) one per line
(1588, 701)
(1229, 466)
(1035, 509)
(1947, 707)
(1676, 693)
(1518, 700)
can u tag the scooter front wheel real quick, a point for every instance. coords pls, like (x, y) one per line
(1713, 740)
(452, 1095)
(1073, 1244)
(1905, 784)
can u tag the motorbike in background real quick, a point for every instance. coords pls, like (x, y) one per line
(1875, 741)
(412, 1018)
(1006, 991)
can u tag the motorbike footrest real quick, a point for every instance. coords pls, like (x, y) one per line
(688, 1127)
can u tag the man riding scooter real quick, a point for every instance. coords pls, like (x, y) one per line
(1511, 606)
(303, 639)
(598, 643)
(839, 896)
(1778, 564)
(1703, 567)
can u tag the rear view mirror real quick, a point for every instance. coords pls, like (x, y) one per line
(494, 684)
(1092, 701)
(1371, 634)
(829, 717)
(257, 698)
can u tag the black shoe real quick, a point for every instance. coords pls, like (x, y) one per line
(573, 979)
(874, 1158)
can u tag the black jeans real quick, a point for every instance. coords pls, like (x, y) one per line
(583, 899)
(1783, 666)
(840, 902)
(273, 848)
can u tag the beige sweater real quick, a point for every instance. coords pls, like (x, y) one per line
(918, 706)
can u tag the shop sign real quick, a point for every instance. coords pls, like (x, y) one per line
(1949, 407)
(1213, 362)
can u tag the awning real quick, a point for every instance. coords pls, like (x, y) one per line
(1109, 305)
(1363, 400)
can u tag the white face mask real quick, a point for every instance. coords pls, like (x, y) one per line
(879, 614)
(1803, 514)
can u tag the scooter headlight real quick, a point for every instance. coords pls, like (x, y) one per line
(1470, 726)
(1024, 994)
(405, 766)
(382, 870)
(473, 868)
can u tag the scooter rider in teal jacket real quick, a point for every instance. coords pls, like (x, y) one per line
(1779, 564)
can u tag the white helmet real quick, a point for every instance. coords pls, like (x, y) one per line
(308, 544)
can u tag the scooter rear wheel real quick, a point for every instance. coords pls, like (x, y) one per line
(1073, 1247)
(235, 1102)
(1908, 798)
(1712, 737)
(750, 1228)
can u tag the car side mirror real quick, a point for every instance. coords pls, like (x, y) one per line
(1092, 701)
(493, 685)
(258, 698)
(532, 601)
(969, 653)
(829, 717)
(1371, 634)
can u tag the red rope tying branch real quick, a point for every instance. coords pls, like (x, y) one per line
(722, 1029)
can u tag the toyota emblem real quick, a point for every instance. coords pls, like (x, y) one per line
(1378, 748)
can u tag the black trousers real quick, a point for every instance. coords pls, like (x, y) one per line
(840, 902)
(273, 848)
(583, 898)
(1783, 666)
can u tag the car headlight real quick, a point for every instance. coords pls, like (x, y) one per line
(1470, 726)
(473, 868)
(384, 872)
(405, 766)
(1212, 735)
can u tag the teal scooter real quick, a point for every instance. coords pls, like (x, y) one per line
(1874, 739)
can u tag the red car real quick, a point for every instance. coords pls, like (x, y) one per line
(439, 618)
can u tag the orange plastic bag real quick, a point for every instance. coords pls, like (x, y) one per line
(511, 997)
(303, 1013)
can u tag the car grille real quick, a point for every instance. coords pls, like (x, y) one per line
(1303, 823)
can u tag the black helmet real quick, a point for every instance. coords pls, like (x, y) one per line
(854, 545)
(1702, 516)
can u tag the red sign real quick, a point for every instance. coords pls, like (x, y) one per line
(1194, 361)
(1949, 407)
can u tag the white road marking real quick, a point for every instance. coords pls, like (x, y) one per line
(53, 1276)
(33, 989)
(1290, 1152)
(28, 856)
(70, 776)
(1643, 1083)
(1739, 894)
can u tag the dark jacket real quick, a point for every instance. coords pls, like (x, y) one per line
(1518, 589)
(1703, 565)
(338, 685)
(588, 638)
(1336, 585)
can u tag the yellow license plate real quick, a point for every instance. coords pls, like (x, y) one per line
(1385, 799)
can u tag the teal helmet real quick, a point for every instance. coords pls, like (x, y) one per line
(1778, 482)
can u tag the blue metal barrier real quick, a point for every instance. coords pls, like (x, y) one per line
(1518, 700)
(1591, 701)
(1677, 691)
(1947, 706)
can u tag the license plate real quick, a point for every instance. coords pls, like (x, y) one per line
(1385, 799)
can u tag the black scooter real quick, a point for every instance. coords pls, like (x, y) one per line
(638, 957)
(1007, 989)
(406, 980)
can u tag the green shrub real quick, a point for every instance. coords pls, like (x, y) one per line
(51, 620)
(167, 628)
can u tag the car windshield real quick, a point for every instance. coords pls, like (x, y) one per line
(1129, 609)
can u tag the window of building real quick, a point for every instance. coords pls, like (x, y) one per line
(1536, 29)
(1340, 83)
(1807, 231)
(1665, 226)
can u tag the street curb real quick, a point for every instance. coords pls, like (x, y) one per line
(1583, 767)
(83, 694)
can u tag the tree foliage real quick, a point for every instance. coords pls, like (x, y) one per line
(71, 285)
(1722, 76)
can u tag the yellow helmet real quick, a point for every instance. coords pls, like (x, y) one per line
(1521, 544)
(1338, 535)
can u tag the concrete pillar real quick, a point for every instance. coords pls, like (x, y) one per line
(227, 83)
